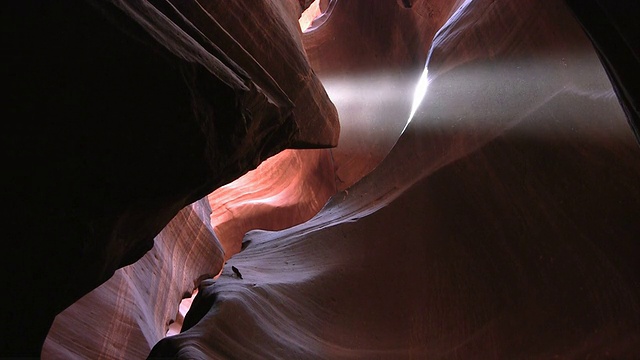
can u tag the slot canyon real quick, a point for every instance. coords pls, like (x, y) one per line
(329, 179)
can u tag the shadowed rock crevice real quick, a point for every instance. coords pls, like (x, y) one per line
(499, 223)
(121, 113)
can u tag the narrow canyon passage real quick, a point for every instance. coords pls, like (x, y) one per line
(500, 225)
(494, 215)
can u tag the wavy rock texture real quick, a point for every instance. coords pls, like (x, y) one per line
(502, 224)
(127, 315)
(122, 113)
(276, 55)
(373, 95)
(285, 190)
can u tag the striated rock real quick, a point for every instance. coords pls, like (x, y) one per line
(128, 314)
(277, 52)
(374, 107)
(122, 113)
(499, 223)
(285, 190)
(502, 224)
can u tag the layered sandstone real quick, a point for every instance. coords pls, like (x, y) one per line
(127, 315)
(122, 113)
(497, 218)
(502, 224)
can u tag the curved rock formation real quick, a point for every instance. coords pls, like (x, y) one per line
(502, 224)
(285, 190)
(123, 112)
(369, 56)
(127, 315)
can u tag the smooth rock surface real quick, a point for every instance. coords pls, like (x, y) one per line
(118, 115)
(369, 56)
(285, 190)
(127, 315)
(502, 224)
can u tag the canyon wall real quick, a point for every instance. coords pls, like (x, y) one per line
(493, 217)
(118, 115)
(502, 223)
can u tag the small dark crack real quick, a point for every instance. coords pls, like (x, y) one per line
(236, 271)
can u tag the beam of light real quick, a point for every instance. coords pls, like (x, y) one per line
(373, 105)
(418, 94)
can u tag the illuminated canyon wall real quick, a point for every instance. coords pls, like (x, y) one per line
(125, 113)
(502, 224)
(494, 217)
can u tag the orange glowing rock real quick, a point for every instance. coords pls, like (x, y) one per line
(501, 222)
(283, 191)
